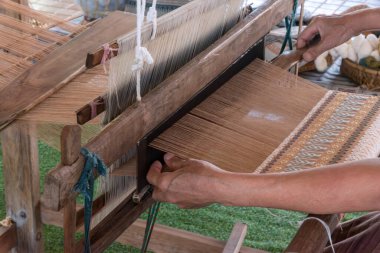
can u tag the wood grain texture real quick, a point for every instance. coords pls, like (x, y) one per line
(8, 238)
(170, 240)
(70, 150)
(164, 239)
(69, 225)
(136, 121)
(22, 185)
(70, 144)
(39, 82)
(236, 239)
(111, 227)
(312, 236)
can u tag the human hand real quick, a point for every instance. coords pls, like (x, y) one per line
(333, 30)
(189, 184)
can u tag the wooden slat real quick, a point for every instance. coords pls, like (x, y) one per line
(129, 127)
(70, 150)
(94, 58)
(22, 184)
(111, 227)
(70, 144)
(170, 240)
(164, 239)
(236, 239)
(69, 225)
(8, 238)
(312, 235)
(65, 63)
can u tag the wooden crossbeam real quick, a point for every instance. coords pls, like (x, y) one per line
(164, 239)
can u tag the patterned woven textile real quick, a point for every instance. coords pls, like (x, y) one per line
(341, 127)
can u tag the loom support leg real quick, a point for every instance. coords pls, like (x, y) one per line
(22, 184)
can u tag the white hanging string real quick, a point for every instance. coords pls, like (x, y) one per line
(142, 54)
(152, 17)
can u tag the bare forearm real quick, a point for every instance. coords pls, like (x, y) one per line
(338, 188)
(364, 20)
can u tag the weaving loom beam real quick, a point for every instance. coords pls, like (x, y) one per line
(94, 58)
(194, 76)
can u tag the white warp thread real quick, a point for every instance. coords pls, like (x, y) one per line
(327, 228)
(142, 54)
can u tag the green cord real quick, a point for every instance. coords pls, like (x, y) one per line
(152, 216)
(289, 25)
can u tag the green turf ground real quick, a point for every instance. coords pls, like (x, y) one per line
(269, 230)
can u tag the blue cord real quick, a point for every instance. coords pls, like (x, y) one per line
(85, 186)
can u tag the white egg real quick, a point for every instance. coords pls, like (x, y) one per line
(351, 54)
(321, 64)
(373, 40)
(342, 50)
(365, 50)
(375, 54)
(357, 41)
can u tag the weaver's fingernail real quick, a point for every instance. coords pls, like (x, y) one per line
(156, 165)
(168, 156)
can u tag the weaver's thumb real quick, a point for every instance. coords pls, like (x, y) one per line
(173, 162)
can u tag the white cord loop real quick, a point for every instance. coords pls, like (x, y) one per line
(142, 54)
(152, 17)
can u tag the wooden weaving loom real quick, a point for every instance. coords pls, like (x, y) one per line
(251, 121)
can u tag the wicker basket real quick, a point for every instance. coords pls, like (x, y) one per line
(361, 75)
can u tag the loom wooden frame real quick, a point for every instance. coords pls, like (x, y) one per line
(58, 197)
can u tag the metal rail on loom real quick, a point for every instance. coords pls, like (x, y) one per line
(146, 155)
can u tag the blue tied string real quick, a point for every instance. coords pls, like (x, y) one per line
(289, 25)
(85, 186)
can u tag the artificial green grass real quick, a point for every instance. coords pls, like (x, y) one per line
(269, 230)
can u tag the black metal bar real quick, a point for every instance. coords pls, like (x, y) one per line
(147, 155)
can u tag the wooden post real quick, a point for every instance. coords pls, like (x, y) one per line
(312, 235)
(236, 239)
(70, 150)
(22, 184)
